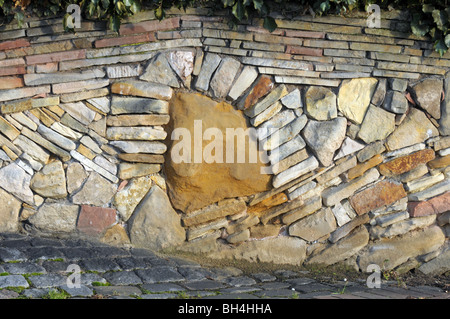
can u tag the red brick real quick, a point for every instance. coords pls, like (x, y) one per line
(56, 57)
(381, 194)
(292, 49)
(406, 163)
(110, 42)
(10, 82)
(149, 26)
(8, 45)
(436, 205)
(305, 34)
(95, 220)
(12, 70)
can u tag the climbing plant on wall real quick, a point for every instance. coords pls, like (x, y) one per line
(428, 17)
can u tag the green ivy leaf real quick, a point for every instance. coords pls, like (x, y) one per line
(114, 23)
(258, 4)
(324, 6)
(440, 47)
(228, 3)
(440, 18)
(159, 13)
(428, 8)
(418, 27)
(269, 24)
(447, 40)
(238, 10)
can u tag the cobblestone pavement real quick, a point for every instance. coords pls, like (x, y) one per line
(40, 268)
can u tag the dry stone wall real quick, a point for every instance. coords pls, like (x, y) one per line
(356, 166)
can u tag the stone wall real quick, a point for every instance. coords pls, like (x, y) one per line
(359, 163)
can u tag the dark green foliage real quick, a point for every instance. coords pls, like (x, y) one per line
(428, 17)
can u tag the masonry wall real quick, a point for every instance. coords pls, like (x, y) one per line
(362, 118)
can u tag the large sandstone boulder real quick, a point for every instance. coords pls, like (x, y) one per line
(200, 172)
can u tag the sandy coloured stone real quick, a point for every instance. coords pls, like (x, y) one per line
(137, 105)
(267, 203)
(370, 151)
(142, 89)
(360, 169)
(320, 103)
(349, 146)
(295, 171)
(137, 120)
(159, 71)
(210, 63)
(55, 218)
(267, 101)
(285, 134)
(75, 176)
(406, 163)
(435, 190)
(292, 100)
(381, 194)
(428, 93)
(140, 147)
(354, 98)
(9, 214)
(289, 161)
(377, 125)
(243, 82)
(214, 211)
(308, 207)
(134, 133)
(223, 77)
(131, 170)
(267, 114)
(50, 181)
(32, 149)
(440, 162)
(314, 226)
(17, 182)
(276, 122)
(424, 182)
(126, 199)
(141, 158)
(96, 191)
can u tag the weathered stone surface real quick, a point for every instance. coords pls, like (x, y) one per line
(209, 65)
(264, 231)
(88, 163)
(223, 77)
(295, 171)
(221, 209)
(436, 205)
(94, 221)
(116, 236)
(380, 93)
(377, 125)
(205, 229)
(261, 87)
(325, 137)
(360, 169)
(138, 105)
(438, 265)
(75, 176)
(432, 191)
(406, 163)
(9, 214)
(440, 162)
(401, 227)
(32, 149)
(415, 128)
(267, 114)
(424, 182)
(370, 151)
(341, 250)
(159, 71)
(381, 194)
(389, 219)
(17, 182)
(275, 123)
(80, 112)
(131, 170)
(320, 103)
(201, 182)
(292, 100)
(393, 252)
(239, 237)
(267, 203)
(354, 98)
(130, 196)
(154, 223)
(305, 208)
(134, 133)
(314, 226)
(50, 181)
(343, 212)
(395, 102)
(290, 161)
(243, 82)
(182, 62)
(143, 89)
(96, 191)
(344, 230)
(348, 147)
(284, 135)
(428, 93)
(55, 218)
(279, 250)
(334, 195)
(337, 170)
(267, 101)
(56, 138)
(444, 123)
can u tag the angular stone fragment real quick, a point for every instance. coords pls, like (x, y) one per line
(440, 162)
(137, 120)
(223, 77)
(287, 149)
(214, 211)
(436, 205)
(261, 87)
(267, 114)
(55, 218)
(424, 182)
(80, 112)
(209, 65)
(133, 105)
(325, 137)
(140, 147)
(134, 133)
(348, 147)
(32, 149)
(142, 89)
(393, 252)
(17, 182)
(337, 170)
(416, 128)
(275, 123)
(8, 130)
(94, 221)
(395, 102)
(401, 227)
(9, 214)
(309, 206)
(444, 123)
(354, 98)
(380, 93)
(50, 181)
(96, 191)
(360, 169)
(154, 223)
(381, 194)
(438, 265)
(295, 171)
(428, 93)
(314, 226)
(377, 125)
(370, 151)
(334, 195)
(75, 176)
(159, 71)
(131, 170)
(56, 138)
(123, 71)
(320, 103)
(243, 82)
(271, 98)
(389, 219)
(182, 62)
(343, 249)
(292, 100)
(404, 164)
(289, 161)
(267, 203)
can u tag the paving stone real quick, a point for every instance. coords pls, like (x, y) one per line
(8, 294)
(194, 273)
(204, 285)
(119, 291)
(11, 254)
(121, 278)
(159, 274)
(159, 296)
(164, 287)
(100, 265)
(23, 268)
(81, 291)
(13, 281)
(240, 281)
(43, 253)
(47, 280)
